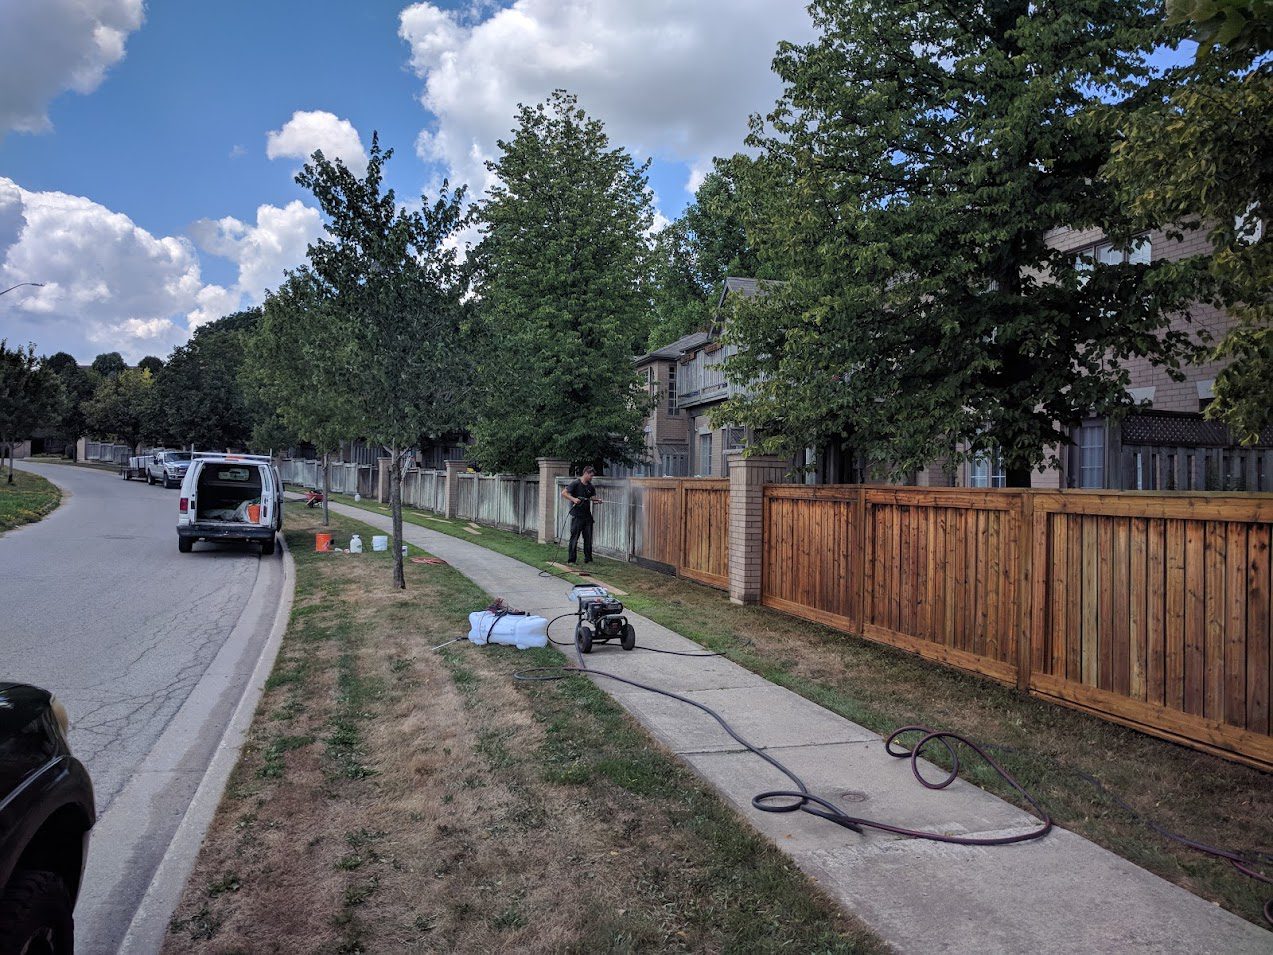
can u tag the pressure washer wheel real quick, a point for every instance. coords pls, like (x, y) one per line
(628, 640)
(583, 638)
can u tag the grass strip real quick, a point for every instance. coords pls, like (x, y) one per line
(28, 499)
(391, 798)
(1045, 746)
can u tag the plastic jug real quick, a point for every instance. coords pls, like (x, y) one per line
(355, 544)
(516, 630)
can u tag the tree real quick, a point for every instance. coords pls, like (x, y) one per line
(200, 400)
(78, 385)
(289, 361)
(1201, 157)
(907, 183)
(122, 408)
(392, 286)
(109, 364)
(694, 254)
(563, 301)
(152, 364)
(30, 396)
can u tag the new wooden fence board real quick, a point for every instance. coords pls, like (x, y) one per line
(1234, 690)
(1259, 680)
(1195, 620)
(1155, 611)
(1136, 611)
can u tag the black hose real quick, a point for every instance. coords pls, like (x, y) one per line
(801, 799)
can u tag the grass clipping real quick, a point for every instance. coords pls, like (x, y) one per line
(391, 799)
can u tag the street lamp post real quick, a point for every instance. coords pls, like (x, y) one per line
(20, 284)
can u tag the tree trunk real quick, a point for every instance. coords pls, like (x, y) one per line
(395, 505)
(11, 443)
(327, 487)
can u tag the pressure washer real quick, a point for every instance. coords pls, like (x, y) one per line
(599, 618)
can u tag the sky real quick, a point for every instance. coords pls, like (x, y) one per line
(148, 149)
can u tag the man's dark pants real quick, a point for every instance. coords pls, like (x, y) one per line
(580, 525)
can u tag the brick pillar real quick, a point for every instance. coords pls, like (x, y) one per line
(747, 479)
(549, 470)
(382, 489)
(451, 490)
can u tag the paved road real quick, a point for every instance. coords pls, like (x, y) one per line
(100, 608)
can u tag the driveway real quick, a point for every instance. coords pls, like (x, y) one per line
(100, 608)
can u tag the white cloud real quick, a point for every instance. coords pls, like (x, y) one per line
(49, 46)
(307, 131)
(278, 241)
(213, 302)
(108, 281)
(670, 79)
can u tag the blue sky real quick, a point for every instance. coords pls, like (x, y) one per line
(147, 149)
(134, 174)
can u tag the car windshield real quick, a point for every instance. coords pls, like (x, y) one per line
(178, 455)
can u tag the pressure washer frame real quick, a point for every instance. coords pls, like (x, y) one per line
(594, 605)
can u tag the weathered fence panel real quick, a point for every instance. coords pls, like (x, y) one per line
(658, 529)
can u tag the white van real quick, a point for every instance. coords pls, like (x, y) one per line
(230, 497)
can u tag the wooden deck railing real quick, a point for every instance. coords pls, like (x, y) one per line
(1150, 610)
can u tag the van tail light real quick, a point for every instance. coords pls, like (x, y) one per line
(184, 506)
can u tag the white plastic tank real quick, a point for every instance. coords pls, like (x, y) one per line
(355, 544)
(379, 542)
(515, 630)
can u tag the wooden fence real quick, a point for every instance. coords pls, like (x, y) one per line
(1150, 610)
(683, 524)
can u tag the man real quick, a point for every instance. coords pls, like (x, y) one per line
(581, 494)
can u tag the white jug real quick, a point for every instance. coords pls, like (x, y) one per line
(355, 544)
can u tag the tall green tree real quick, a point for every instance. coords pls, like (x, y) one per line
(30, 396)
(394, 292)
(123, 408)
(109, 364)
(153, 364)
(78, 385)
(289, 369)
(199, 397)
(1201, 157)
(911, 174)
(563, 296)
(693, 255)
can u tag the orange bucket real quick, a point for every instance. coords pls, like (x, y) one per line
(322, 542)
(254, 513)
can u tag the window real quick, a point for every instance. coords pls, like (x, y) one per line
(1091, 455)
(1106, 254)
(986, 470)
(705, 455)
(671, 389)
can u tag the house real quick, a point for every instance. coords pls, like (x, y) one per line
(667, 442)
(688, 377)
(1165, 443)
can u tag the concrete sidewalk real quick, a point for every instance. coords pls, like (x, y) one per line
(1058, 894)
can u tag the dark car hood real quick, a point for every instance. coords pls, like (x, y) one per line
(20, 705)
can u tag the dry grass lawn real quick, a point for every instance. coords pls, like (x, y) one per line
(392, 799)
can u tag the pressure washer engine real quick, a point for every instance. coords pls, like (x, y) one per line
(599, 618)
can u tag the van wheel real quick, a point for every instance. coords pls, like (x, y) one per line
(185, 544)
(35, 914)
(267, 547)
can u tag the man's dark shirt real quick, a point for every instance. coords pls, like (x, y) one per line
(585, 493)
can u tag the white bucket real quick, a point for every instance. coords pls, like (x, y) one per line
(379, 542)
(517, 630)
(355, 544)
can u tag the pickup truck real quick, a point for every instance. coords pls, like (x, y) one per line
(167, 467)
(46, 812)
